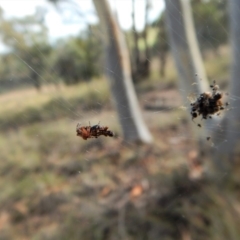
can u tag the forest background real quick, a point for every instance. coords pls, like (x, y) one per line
(158, 177)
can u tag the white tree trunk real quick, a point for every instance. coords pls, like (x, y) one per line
(232, 120)
(234, 124)
(119, 74)
(184, 46)
(185, 51)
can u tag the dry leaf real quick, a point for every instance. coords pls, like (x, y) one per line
(136, 191)
(105, 191)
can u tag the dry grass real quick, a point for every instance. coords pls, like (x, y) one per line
(27, 98)
(218, 66)
(28, 107)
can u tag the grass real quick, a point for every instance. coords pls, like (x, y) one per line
(57, 186)
(54, 105)
(218, 67)
(43, 158)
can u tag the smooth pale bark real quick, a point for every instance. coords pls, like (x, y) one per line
(184, 47)
(119, 75)
(186, 53)
(231, 123)
(234, 120)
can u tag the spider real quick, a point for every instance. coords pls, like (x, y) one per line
(94, 128)
(104, 131)
(93, 132)
(84, 132)
(208, 103)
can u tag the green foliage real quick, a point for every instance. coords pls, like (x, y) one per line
(37, 55)
(31, 59)
(161, 43)
(28, 49)
(20, 33)
(77, 59)
(211, 22)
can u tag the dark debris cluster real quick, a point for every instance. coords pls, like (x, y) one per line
(208, 103)
(93, 131)
(97, 131)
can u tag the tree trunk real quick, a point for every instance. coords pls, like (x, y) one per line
(119, 73)
(145, 36)
(136, 55)
(231, 125)
(184, 47)
(185, 51)
(234, 124)
(163, 45)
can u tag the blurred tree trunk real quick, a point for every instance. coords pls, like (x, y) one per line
(185, 51)
(145, 36)
(162, 44)
(163, 49)
(227, 154)
(136, 55)
(119, 73)
(234, 124)
(141, 62)
(184, 47)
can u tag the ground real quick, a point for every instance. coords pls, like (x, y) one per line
(50, 172)
(55, 185)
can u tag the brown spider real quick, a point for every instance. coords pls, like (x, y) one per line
(207, 103)
(93, 132)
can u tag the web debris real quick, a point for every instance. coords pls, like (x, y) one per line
(208, 103)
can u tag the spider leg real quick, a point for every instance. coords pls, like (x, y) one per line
(78, 125)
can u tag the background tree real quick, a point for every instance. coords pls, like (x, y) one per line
(146, 62)
(136, 51)
(211, 22)
(119, 73)
(141, 59)
(78, 58)
(26, 39)
(225, 157)
(161, 45)
(35, 56)
(184, 48)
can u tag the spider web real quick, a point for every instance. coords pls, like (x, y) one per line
(160, 106)
(92, 115)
